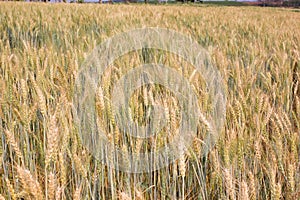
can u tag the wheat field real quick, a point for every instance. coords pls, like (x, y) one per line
(256, 50)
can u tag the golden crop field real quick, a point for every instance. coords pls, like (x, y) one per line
(256, 154)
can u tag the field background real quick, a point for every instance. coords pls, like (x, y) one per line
(256, 50)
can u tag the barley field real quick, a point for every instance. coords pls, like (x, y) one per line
(256, 155)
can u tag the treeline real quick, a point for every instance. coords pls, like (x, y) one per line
(281, 3)
(110, 1)
(269, 3)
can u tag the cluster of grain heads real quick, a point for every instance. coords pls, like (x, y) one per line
(256, 156)
(30, 184)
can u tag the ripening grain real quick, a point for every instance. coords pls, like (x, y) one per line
(255, 49)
